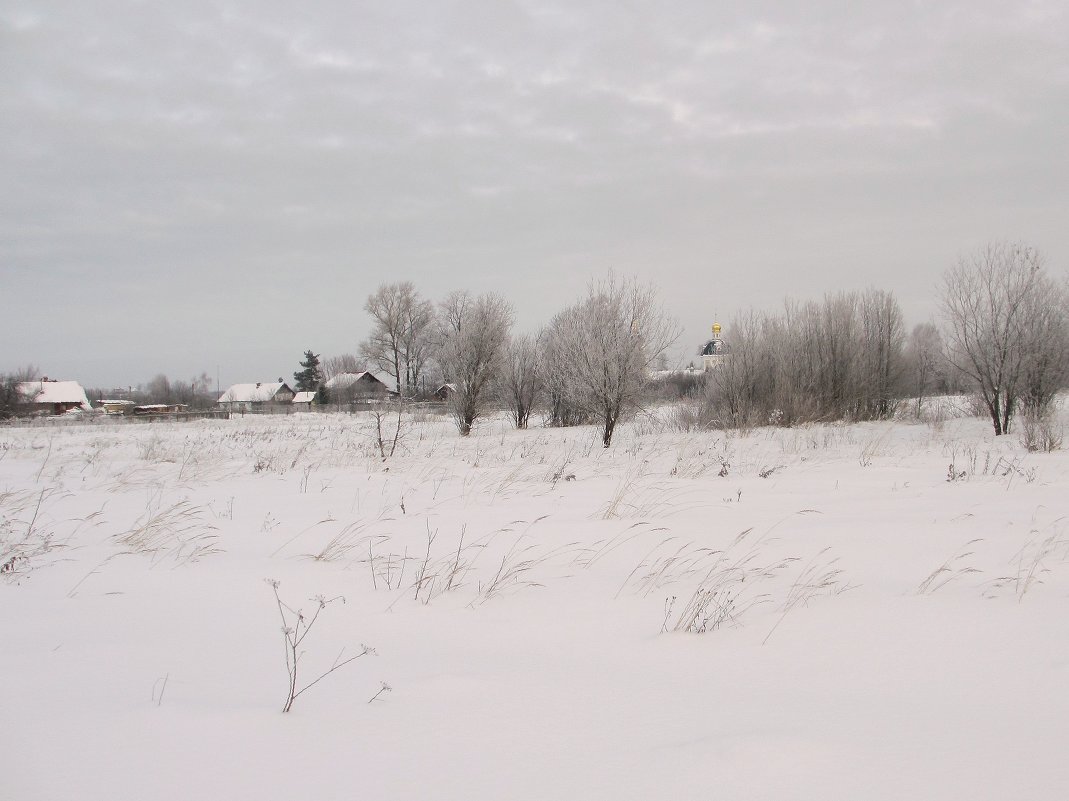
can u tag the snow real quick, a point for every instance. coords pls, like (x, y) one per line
(53, 392)
(304, 397)
(911, 642)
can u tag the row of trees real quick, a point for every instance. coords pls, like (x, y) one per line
(1006, 338)
(847, 356)
(197, 393)
(591, 361)
(841, 358)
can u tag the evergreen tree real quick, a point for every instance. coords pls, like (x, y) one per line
(309, 379)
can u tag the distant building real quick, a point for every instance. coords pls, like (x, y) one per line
(303, 401)
(53, 397)
(115, 407)
(715, 351)
(445, 392)
(161, 408)
(356, 388)
(250, 397)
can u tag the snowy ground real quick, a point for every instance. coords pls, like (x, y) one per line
(872, 630)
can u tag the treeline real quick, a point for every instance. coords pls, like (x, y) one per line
(197, 393)
(846, 357)
(588, 365)
(1004, 337)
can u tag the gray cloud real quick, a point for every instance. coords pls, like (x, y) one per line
(200, 184)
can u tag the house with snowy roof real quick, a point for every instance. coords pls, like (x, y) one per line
(303, 401)
(350, 387)
(445, 392)
(52, 397)
(261, 395)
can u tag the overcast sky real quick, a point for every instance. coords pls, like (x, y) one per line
(193, 185)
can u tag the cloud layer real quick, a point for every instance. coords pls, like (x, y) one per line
(201, 184)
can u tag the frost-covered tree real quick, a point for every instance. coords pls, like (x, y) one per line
(343, 363)
(563, 409)
(11, 400)
(879, 366)
(1046, 345)
(924, 360)
(839, 358)
(604, 346)
(400, 340)
(1004, 319)
(473, 334)
(520, 379)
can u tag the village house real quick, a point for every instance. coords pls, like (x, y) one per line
(361, 387)
(161, 408)
(445, 392)
(303, 401)
(256, 397)
(53, 397)
(115, 407)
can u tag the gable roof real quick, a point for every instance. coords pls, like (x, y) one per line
(53, 392)
(346, 380)
(253, 393)
(304, 397)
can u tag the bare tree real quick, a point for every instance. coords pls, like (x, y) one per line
(201, 391)
(563, 409)
(606, 345)
(159, 390)
(399, 340)
(344, 363)
(1045, 345)
(923, 359)
(836, 359)
(472, 337)
(987, 301)
(520, 379)
(417, 343)
(741, 388)
(11, 400)
(880, 363)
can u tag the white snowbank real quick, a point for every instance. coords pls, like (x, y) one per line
(873, 630)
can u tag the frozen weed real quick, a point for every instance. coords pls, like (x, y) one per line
(176, 532)
(295, 629)
(873, 447)
(437, 575)
(1040, 432)
(951, 570)
(516, 568)
(587, 557)
(349, 541)
(1031, 562)
(26, 533)
(820, 577)
(726, 592)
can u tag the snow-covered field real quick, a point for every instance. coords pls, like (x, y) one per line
(809, 613)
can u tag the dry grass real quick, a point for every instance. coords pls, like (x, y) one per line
(175, 533)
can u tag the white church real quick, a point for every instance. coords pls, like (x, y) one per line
(715, 350)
